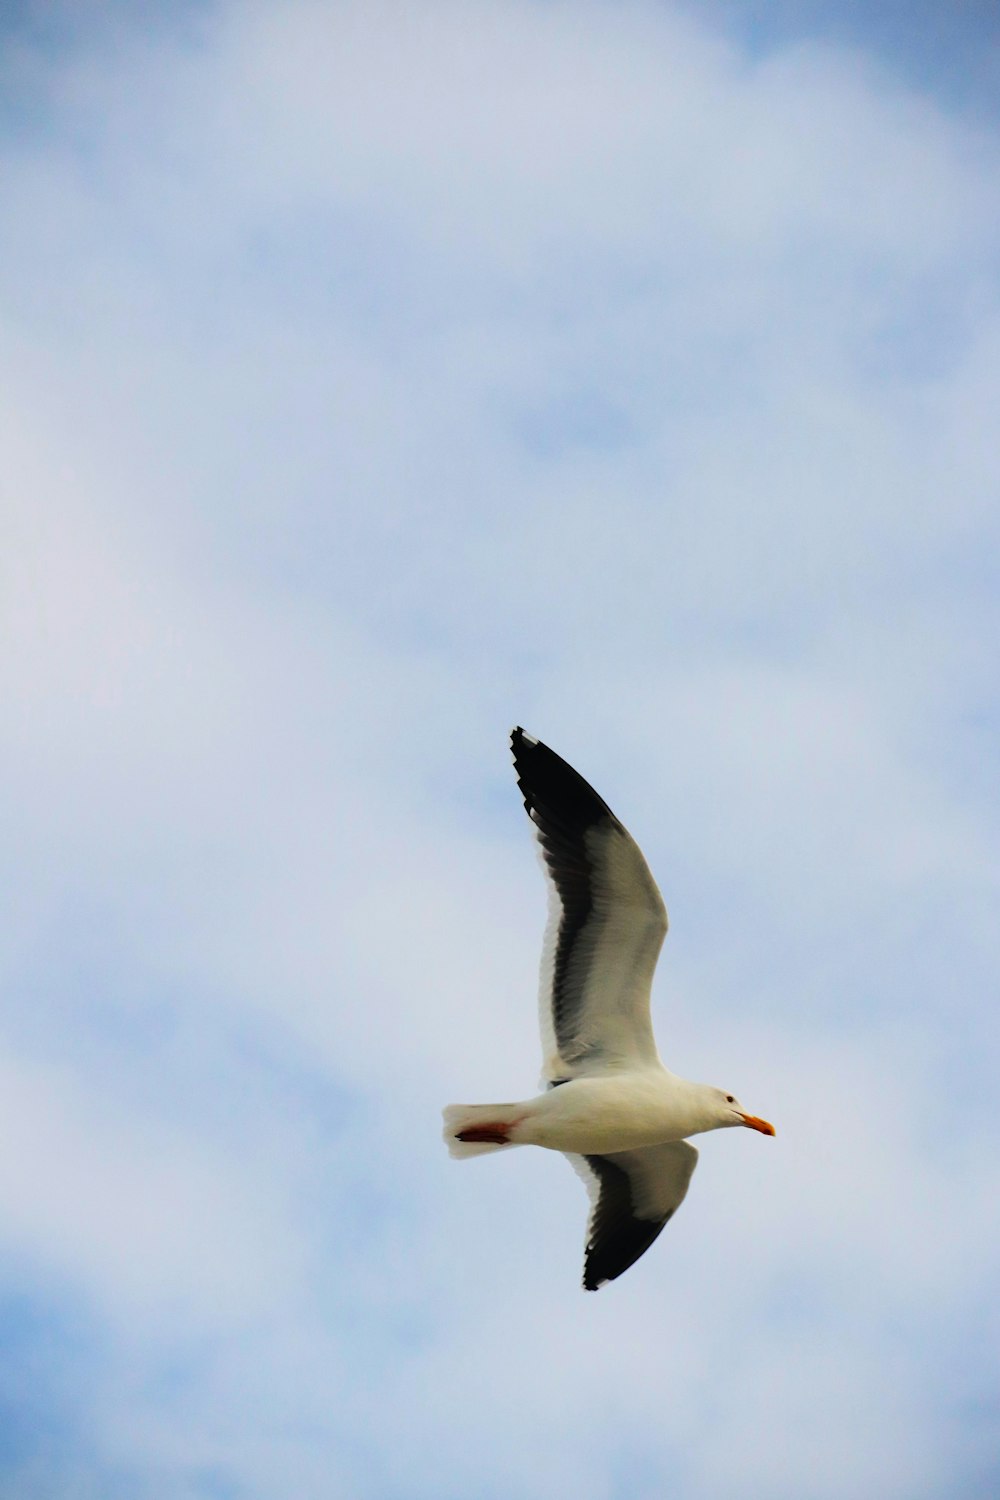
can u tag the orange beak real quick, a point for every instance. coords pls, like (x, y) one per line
(755, 1124)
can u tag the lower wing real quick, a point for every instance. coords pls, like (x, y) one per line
(633, 1194)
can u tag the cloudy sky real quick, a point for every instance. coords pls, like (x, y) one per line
(375, 376)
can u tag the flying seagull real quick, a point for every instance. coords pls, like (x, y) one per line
(621, 1118)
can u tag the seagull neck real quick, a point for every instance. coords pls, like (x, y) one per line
(697, 1101)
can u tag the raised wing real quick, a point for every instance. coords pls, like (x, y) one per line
(606, 926)
(632, 1194)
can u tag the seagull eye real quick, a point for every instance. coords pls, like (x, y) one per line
(729, 1099)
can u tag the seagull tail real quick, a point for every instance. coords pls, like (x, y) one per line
(474, 1129)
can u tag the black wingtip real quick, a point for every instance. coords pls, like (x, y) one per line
(551, 784)
(621, 1249)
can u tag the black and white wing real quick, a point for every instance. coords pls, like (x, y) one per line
(632, 1194)
(606, 926)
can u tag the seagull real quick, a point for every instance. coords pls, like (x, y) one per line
(619, 1116)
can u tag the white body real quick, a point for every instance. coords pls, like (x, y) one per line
(598, 1113)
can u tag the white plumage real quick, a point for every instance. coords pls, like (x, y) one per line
(609, 1103)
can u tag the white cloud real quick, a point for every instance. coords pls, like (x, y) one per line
(144, 1216)
(379, 375)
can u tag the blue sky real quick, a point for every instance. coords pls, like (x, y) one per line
(375, 377)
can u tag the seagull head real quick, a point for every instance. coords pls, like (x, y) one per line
(729, 1111)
